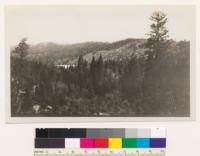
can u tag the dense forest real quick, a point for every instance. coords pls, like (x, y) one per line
(144, 77)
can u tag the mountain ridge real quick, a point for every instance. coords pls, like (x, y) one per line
(50, 52)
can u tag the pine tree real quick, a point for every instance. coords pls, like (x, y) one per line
(158, 35)
(100, 66)
(80, 62)
(22, 77)
(155, 65)
(22, 48)
(93, 66)
(157, 43)
(100, 75)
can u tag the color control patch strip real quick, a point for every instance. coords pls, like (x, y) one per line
(100, 138)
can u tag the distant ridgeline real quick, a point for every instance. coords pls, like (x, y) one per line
(101, 79)
(69, 53)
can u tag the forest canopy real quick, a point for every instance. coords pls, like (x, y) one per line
(132, 77)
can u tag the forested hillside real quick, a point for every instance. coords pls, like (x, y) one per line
(53, 53)
(133, 77)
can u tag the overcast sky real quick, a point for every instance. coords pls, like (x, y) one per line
(71, 24)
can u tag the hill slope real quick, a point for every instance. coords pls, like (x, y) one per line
(68, 53)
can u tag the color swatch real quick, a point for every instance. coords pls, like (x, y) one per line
(86, 143)
(143, 143)
(129, 142)
(49, 143)
(115, 143)
(101, 143)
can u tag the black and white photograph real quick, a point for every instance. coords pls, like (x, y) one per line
(100, 61)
